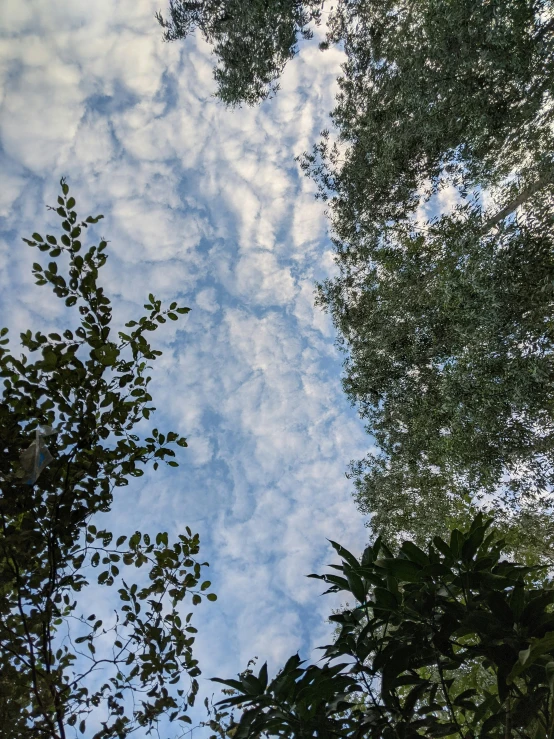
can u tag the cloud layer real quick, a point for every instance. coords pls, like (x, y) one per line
(205, 206)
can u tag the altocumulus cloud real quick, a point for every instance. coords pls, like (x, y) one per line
(205, 206)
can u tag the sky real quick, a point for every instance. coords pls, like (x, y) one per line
(205, 206)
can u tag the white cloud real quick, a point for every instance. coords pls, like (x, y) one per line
(93, 145)
(12, 185)
(156, 234)
(204, 206)
(42, 104)
(14, 16)
(260, 278)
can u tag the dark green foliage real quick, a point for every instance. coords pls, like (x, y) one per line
(449, 342)
(91, 386)
(433, 91)
(252, 40)
(448, 641)
(447, 325)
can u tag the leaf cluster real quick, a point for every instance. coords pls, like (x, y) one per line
(91, 387)
(449, 641)
(252, 41)
(432, 93)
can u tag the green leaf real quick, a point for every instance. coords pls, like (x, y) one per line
(470, 692)
(402, 569)
(490, 723)
(449, 729)
(517, 600)
(50, 360)
(413, 696)
(262, 676)
(107, 354)
(252, 685)
(385, 599)
(357, 586)
(415, 554)
(472, 543)
(549, 670)
(456, 542)
(345, 554)
(527, 657)
(396, 662)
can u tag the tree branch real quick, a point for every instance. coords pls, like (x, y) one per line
(546, 179)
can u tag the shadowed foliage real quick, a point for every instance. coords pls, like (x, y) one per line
(252, 40)
(450, 641)
(68, 411)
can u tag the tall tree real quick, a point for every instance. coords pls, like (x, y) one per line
(252, 40)
(67, 430)
(446, 324)
(448, 334)
(450, 641)
(433, 92)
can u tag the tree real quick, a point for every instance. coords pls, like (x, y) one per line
(433, 92)
(251, 40)
(448, 338)
(452, 641)
(429, 91)
(447, 332)
(67, 423)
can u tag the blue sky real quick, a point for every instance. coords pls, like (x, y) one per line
(205, 206)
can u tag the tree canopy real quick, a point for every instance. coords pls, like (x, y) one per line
(429, 91)
(433, 92)
(445, 322)
(448, 337)
(68, 411)
(252, 40)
